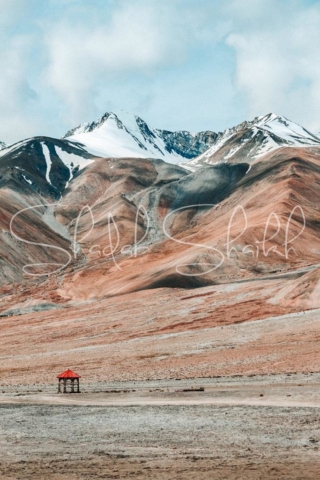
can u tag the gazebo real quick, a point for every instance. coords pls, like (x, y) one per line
(67, 381)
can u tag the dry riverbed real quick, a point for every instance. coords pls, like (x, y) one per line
(263, 427)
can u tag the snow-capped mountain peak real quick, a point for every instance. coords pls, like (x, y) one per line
(118, 135)
(286, 129)
(250, 140)
(109, 137)
(122, 134)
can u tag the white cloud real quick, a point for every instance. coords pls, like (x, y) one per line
(168, 60)
(10, 10)
(15, 90)
(60, 61)
(277, 47)
(140, 37)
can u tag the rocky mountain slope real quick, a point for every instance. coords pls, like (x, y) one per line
(123, 225)
(45, 164)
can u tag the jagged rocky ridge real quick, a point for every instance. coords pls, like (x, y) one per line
(122, 134)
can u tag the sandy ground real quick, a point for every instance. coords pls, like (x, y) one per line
(262, 427)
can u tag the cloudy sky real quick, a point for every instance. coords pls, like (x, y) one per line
(179, 64)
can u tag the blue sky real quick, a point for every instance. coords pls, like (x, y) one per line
(179, 64)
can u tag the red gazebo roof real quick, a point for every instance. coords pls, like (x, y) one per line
(68, 374)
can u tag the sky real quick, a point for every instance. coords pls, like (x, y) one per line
(179, 64)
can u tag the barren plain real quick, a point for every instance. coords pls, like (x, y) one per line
(257, 415)
(257, 427)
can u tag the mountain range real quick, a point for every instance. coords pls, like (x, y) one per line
(140, 233)
(121, 134)
(139, 181)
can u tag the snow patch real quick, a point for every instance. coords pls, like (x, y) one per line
(27, 180)
(46, 154)
(72, 161)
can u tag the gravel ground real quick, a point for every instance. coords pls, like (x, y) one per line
(163, 442)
